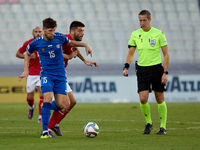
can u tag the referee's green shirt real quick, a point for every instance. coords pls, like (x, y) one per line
(148, 45)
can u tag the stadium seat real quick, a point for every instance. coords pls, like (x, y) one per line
(113, 17)
(171, 17)
(50, 2)
(42, 16)
(181, 7)
(103, 16)
(90, 15)
(87, 7)
(101, 7)
(52, 7)
(195, 17)
(32, 17)
(75, 7)
(112, 8)
(63, 8)
(19, 17)
(9, 17)
(28, 8)
(84, 1)
(123, 7)
(79, 16)
(184, 16)
(192, 6)
(5, 9)
(40, 8)
(158, 7)
(25, 2)
(169, 7)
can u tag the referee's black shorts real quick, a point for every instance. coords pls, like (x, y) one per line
(149, 78)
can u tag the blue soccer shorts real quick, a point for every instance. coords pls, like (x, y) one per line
(54, 84)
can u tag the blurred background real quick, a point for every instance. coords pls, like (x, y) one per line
(108, 26)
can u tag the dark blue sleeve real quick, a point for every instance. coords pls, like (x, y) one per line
(63, 38)
(31, 48)
(66, 40)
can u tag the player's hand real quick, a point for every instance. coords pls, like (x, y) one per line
(88, 50)
(73, 54)
(125, 72)
(164, 78)
(24, 74)
(90, 63)
(32, 56)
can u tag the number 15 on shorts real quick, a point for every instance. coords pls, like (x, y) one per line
(44, 80)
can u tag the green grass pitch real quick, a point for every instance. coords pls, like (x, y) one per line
(120, 124)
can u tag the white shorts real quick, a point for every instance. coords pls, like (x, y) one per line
(68, 90)
(32, 82)
(68, 87)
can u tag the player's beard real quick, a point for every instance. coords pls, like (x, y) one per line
(77, 38)
(36, 36)
(48, 38)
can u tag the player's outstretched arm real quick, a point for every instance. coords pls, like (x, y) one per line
(19, 55)
(72, 55)
(26, 62)
(79, 44)
(23, 75)
(89, 63)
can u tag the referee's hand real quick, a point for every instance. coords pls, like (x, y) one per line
(164, 78)
(125, 72)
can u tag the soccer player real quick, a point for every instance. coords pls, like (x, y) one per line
(149, 70)
(76, 33)
(33, 79)
(53, 77)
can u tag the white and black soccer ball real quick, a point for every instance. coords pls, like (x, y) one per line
(91, 129)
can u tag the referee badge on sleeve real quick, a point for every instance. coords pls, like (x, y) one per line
(152, 43)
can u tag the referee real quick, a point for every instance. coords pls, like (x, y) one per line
(149, 70)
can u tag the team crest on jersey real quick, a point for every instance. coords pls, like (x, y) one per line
(42, 49)
(58, 46)
(152, 43)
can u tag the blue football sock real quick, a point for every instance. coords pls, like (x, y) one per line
(46, 113)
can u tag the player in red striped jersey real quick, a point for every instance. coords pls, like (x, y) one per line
(69, 52)
(33, 80)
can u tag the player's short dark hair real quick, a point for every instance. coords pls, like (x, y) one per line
(75, 24)
(49, 23)
(145, 12)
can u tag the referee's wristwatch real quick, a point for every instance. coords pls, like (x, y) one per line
(166, 72)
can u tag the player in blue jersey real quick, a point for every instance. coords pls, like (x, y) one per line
(53, 78)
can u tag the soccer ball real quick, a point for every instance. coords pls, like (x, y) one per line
(91, 129)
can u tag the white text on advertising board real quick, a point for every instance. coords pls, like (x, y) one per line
(93, 87)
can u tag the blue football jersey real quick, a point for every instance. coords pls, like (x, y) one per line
(50, 52)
